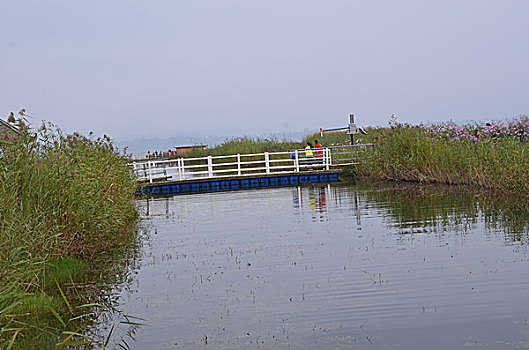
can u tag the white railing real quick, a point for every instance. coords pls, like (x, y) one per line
(243, 164)
(346, 155)
(138, 156)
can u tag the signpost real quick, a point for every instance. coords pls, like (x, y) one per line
(352, 129)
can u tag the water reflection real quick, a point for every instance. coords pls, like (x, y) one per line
(363, 266)
(315, 201)
(412, 209)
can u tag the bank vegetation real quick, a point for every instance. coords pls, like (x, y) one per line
(492, 156)
(66, 204)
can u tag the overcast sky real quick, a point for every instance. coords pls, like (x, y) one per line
(152, 67)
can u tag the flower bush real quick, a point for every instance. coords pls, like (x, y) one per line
(516, 129)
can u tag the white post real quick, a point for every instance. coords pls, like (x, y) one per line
(296, 160)
(327, 158)
(150, 171)
(267, 162)
(239, 164)
(181, 168)
(210, 166)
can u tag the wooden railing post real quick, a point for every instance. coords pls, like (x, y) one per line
(267, 162)
(296, 160)
(239, 164)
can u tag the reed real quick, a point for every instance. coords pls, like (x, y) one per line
(67, 200)
(456, 155)
(248, 145)
(330, 139)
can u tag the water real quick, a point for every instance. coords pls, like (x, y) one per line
(331, 267)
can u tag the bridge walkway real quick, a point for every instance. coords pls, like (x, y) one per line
(242, 171)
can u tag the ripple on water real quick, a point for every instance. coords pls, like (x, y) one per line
(329, 267)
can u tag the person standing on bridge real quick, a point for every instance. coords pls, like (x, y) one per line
(319, 152)
(309, 154)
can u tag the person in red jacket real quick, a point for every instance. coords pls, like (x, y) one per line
(318, 148)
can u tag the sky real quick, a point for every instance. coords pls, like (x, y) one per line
(133, 69)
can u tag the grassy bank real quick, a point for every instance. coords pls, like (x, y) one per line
(67, 201)
(248, 145)
(493, 156)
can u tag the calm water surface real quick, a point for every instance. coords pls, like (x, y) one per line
(330, 267)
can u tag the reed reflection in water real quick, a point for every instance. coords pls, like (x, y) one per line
(357, 266)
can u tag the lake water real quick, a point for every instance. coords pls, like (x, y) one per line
(331, 267)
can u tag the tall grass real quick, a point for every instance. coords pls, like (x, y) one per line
(67, 200)
(427, 154)
(246, 145)
(249, 145)
(331, 139)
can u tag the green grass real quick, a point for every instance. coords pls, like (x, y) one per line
(412, 153)
(37, 304)
(246, 145)
(67, 202)
(330, 139)
(64, 270)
